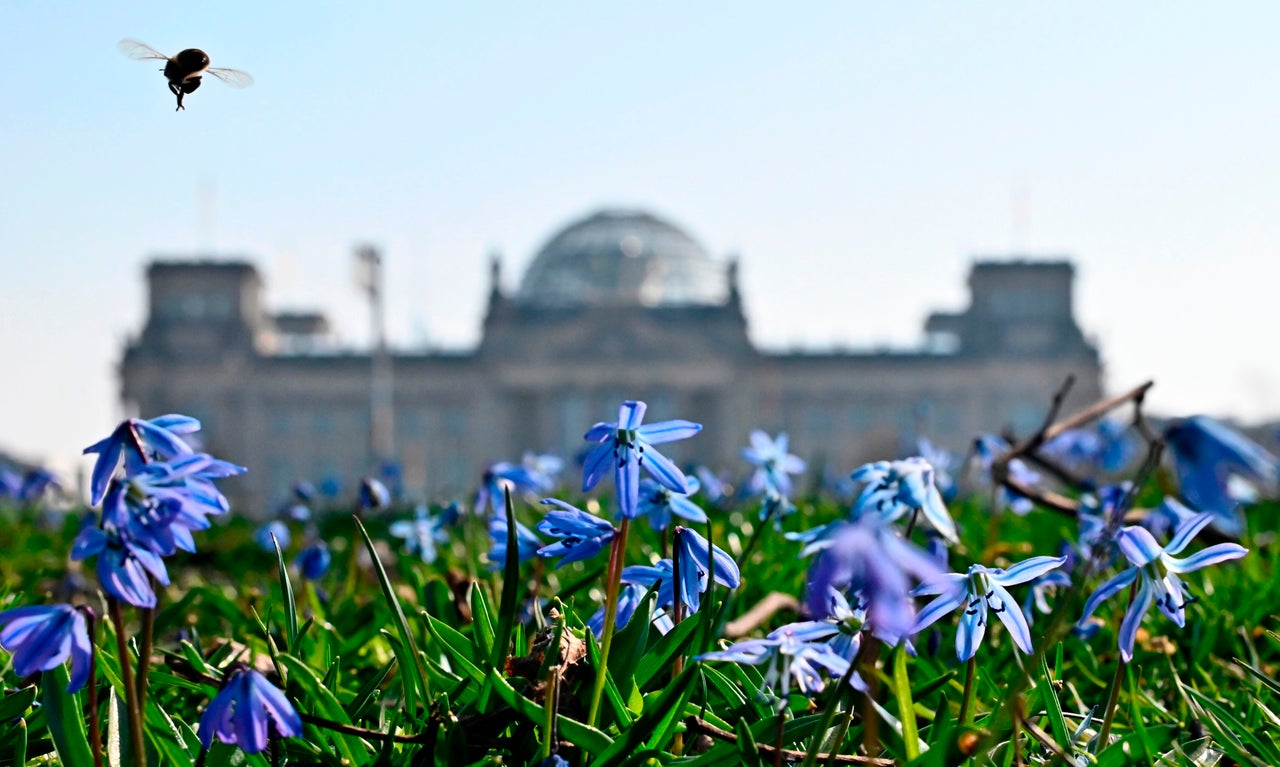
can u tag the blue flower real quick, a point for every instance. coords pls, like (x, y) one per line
(979, 589)
(42, 637)
(422, 533)
(137, 442)
(1206, 455)
(894, 488)
(698, 561)
(244, 710)
(535, 474)
(868, 557)
(626, 445)
(124, 563)
(713, 487)
(581, 535)
(792, 658)
(313, 561)
(659, 502)
(842, 628)
(1158, 570)
(527, 542)
(648, 575)
(273, 529)
(986, 449)
(773, 463)
(374, 495)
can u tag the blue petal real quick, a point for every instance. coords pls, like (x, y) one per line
(662, 469)
(1138, 545)
(1186, 531)
(627, 484)
(1133, 619)
(1026, 570)
(1012, 618)
(599, 459)
(1211, 556)
(176, 423)
(973, 626)
(937, 608)
(600, 432)
(1108, 590)
(288, 723)
(668, 431)
(631, 414)
(688, 509)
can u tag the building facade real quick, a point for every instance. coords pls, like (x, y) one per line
(618, 305)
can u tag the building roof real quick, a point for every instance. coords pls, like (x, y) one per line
(623, 257)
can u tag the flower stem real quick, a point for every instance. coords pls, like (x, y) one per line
(130, 691)
(612, 576)
(144, 648)
(95, 732)
(870, 718)
(1113, 697)
(677, 610)
(966, 701)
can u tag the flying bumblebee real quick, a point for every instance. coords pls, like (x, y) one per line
(185, 69)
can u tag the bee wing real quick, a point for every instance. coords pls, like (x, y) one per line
(233, 77)
(139, 51)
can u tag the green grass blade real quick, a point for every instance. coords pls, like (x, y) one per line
(290, 604)
(65, 720)
(906, 709)
(414, 669)
(510, 589)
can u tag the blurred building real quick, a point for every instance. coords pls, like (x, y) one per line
(618, 305)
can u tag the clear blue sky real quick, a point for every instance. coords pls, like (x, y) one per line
(855, 155)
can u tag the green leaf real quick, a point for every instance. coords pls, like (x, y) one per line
(65, 720)
(510, 590)
(20, 742)
(414, 672)
(290, 605)
(588, 738)
(664, 651)
(906, 709)
(1053, 709)
(15, 704)
(320, 699)
(461, 651)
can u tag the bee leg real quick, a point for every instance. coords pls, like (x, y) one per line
(177, 91)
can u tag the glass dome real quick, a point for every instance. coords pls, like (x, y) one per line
(623, 257)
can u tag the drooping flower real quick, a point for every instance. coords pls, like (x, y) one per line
(246, 711)
(1206, 455)
(980, 589)
(626, 446)
(42, 637)
(792, 659)
(124, 563)
(773, 463)
(137, 442)
(505, 476)
(986, 449)
(527, 542)
(842, 628)
(582, 535)
(712, 486)
(313, 561)
(1158, 570)
(895, 488)
(942, 462)
(659, 502)
(868, 557)
(699, 560)
(374, 496)
(422, 533)
(1037, 599)
(275, 529)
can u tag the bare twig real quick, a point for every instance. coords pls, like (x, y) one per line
(698, 724)
(752, 619)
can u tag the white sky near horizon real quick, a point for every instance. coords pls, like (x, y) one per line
(856, 156)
